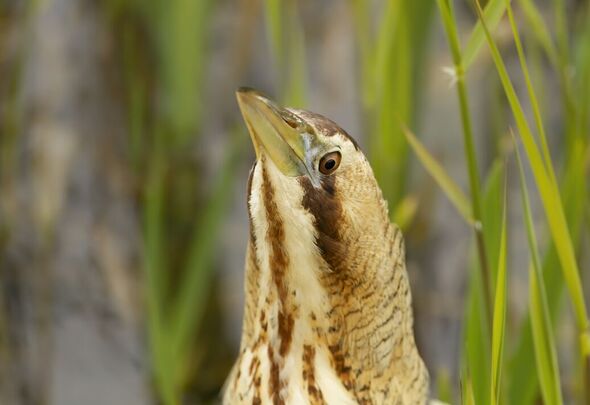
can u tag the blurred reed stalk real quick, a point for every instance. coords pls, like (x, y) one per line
(392, 59)
(182, 212)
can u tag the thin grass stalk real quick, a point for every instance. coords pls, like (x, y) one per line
(561, 65)
(523, 384)
(547, 191)
(180, 32)
(499, 321)
(543, 340)
(545, 387)
(446, 9)
(532, 96)
(438, 173)
(493, 12)
(551, 201)
(477, 335)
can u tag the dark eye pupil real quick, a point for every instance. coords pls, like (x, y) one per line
(329, 165)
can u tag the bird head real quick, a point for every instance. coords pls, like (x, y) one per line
(315, 166)
(325, 269)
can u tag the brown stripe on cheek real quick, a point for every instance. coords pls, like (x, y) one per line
(323, 203)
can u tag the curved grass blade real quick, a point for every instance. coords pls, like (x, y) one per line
(523, 383)
(549, 196)
(493, 13)
(450, 188)
(544, 343)
(558, 60)
(532, 96)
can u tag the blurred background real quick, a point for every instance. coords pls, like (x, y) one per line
(124, 162)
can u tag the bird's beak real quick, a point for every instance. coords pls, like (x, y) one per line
(275, 132)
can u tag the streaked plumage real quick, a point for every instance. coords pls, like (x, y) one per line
(327, 314)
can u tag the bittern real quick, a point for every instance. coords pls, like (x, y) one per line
(328, 315)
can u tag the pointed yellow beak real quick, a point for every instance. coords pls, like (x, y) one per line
(273, 131)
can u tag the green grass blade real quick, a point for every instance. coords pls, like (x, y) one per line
(523, 383)
(493, 13)
(450, 188)
(476, 351)
(532, 96)
(447, 14)
(548, 192)
(561, 64)
(492, 212)
(546, 360)
(446, 10)
(499, 322)
(546, 355)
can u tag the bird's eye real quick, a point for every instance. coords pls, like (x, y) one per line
(330, 162)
